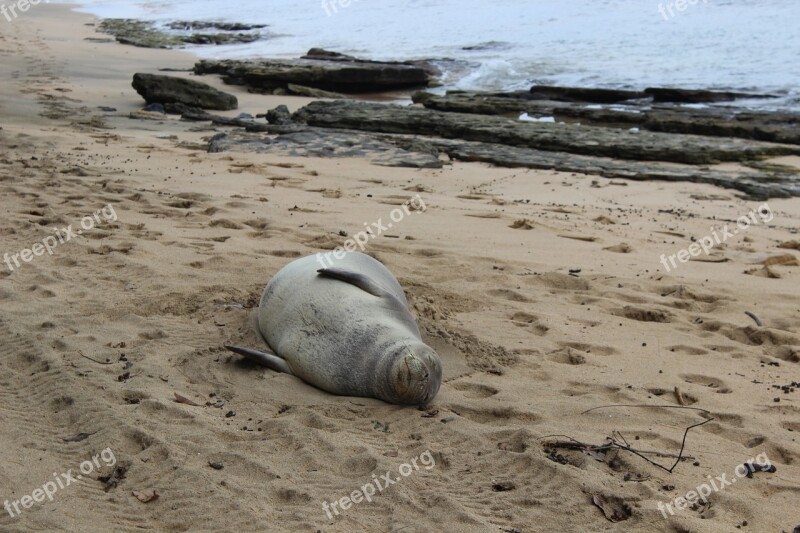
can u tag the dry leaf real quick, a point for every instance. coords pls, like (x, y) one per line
(187, 401)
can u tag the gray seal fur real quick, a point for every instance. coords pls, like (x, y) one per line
(346, 329)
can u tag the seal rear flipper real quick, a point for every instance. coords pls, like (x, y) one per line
(354, 278)
(267, 359)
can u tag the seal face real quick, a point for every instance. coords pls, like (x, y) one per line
(346, 329)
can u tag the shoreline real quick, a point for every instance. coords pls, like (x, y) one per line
(542, 291)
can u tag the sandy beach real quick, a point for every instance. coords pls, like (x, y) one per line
(545, 293)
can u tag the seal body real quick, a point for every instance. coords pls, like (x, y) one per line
(346, 328)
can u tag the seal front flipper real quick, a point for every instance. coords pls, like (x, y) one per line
(354, 278)
(269, 360)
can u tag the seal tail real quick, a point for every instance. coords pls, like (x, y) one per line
(269, 360)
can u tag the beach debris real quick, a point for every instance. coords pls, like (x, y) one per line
(380, 427)
(615, 509)
(107, 361)
(115, 477)
(617, 440)
(215, 465)
(755, 318)
(184, 400)
(523, 223)
(790, 245)
(146, 496)
(679, 396)
(578, 237)
(503, 486)
(80, 437)
(751, 468)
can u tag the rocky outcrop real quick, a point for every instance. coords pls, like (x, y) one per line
(697, 96)
(145, 35)
(165, 90)
(328, 71)
(720, 122)
(656, 94)
(580, 94)
(193, 25)
(754, 185)
(314, 142)
(570, 138)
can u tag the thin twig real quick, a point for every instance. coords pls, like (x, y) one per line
(754, 317)
(642, 405)
(680, 397)
(95, 360)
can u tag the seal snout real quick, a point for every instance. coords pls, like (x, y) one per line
(417, 375)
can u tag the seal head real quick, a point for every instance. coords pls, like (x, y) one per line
(415, 375)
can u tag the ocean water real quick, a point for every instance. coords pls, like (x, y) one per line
(750, 45)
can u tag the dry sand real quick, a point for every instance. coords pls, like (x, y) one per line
(528, 347)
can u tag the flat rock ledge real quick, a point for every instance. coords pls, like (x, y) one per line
(327, 71)
(570, 138)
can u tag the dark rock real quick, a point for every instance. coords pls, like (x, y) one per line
(174, 108)
(339, 75)
(210, 25)
(321, 53)
(280, 115)
(299, 90)
(245, 116)
(571, 138)
(160, 89)
(581, 94)
(714, 121)
(154, 108)
(694, 96)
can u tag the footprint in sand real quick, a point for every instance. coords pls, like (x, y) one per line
(707, 381)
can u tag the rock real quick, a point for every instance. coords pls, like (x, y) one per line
(694, 96)
(299, 90)
(155, 108)
(145, 35)
(580, 94)
(155, 88)
(754, 185)
(316, 142)
(175, 108)
(571, 138)
(339, 75)
(147, 115)
(776, 127)
(279, 116)
(210, 25)
(321, 53)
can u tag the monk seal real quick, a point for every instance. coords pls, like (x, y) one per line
(346, 329)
